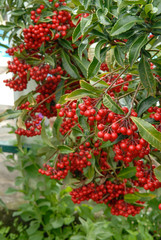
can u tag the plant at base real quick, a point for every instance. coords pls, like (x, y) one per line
(100, 78)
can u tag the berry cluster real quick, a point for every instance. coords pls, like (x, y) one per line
(26, 106)
(109, 193)
(125, 209)
(68, 112)
(146, 176)
(32, 126)
(104, 67)
(61, 169)
(120, 84)
(55, 28)
(130, 148)
(20, 78)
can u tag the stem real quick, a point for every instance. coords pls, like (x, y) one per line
(128, 93)
(133, 99)
(117, 79)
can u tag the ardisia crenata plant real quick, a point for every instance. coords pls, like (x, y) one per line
(96, 65)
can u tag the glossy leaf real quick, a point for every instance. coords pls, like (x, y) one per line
(97, 82)
(50, 60)
(93, 68)
(82, 64)
(102, 18)
(65, 149)
(119, 55)
(86, 4)
(145, 196)
(136, 48)
(9, 114)
(89, 87)
(82, 46)
(131, 198)
(127, 172)
(146, 76)
(98, 49)
(157, 172)
(134, 2)
(148, 132)
(125, 23)
(68, 66)
(76, 33)
(112, 105)
(145, 104)
(65, 44)
(85, 23)
(80, 93)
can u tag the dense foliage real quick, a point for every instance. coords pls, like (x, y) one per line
(48, 212)
(96, 65)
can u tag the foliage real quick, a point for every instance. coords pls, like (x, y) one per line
(49, 213)
(96, 65)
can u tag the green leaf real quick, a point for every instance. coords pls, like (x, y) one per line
(156, 25)
(157, 172)
(57, 222)
(9, 114)
(45, 137)
(68, 66)
(11, 190)
(145, 104)
(148, 8)
(84, 124)
(34, 225)
(148, 132)
(65, 149)
(18, 13)
(136, 48)
(62, 99)
(134, 2)
(3, 45)
(145, 196)
(131, 198)
(119, 55)
(146, 76)
(125, 23)
(86, 4)
(82, 65)
(89, 87)
(82, 46)
(97, 82)
(76, 33)
(38, 235)
(112, 105)
(68, 220)
(102, 18)
(98, 49)
(93, 67)
(80, 93)
(85, 23)
(59, 90)
(77, 132)
(50, 60)
(3, 205)
(127, 172)
(65, 44)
